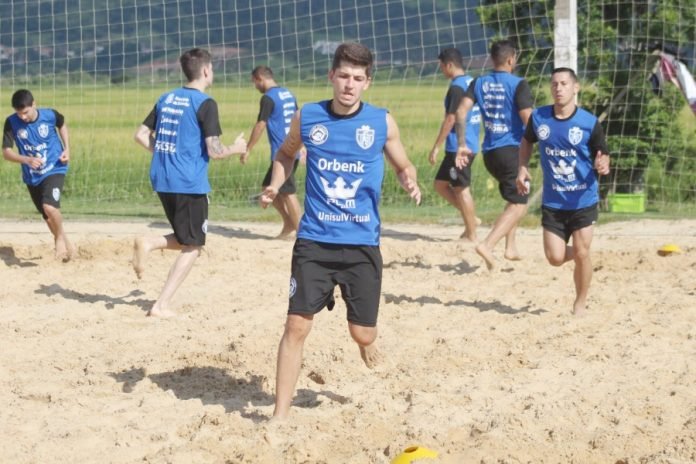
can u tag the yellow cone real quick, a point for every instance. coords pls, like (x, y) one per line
(412, 453)
(668, 249)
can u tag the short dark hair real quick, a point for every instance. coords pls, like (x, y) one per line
(570, 71)
(262, 71)
(451, 55)
(354, 53)
(501, 50)
(21, 99)
(193, 61)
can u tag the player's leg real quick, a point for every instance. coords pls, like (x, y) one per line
(452, 185)
(289, 362)
(467, 208)
(46, 197)
(361, 286)
(177, 273)
(556, 249)
(505, 223)
(54, 219)
(288, 205)
(582, 239)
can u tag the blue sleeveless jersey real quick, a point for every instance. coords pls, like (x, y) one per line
(39, 139)
(278, 124)
(473, 121)
(570, 182)
(495, 93)
(180, 159)
(345, 169)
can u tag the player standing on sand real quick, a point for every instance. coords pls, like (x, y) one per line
(338, 239)
(572, 146)
(182, 132)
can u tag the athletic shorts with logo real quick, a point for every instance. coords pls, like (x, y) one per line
(564, 222)
(318, 267)
(188, 215)
(48, 192)
(449, 172)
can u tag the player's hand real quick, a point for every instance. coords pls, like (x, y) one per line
(461, 160)
(432, 157)
(411, 186)
(267, 196)
(601, 163)
(523, 181)
(65, 156)
(239, 145)
(34, 163)
(244, 157)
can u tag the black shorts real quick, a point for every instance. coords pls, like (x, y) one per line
(48, 192)
(564, 222)
(318, 267)
(450, 173)
(289, 186)
(503, 164)
(188, 215)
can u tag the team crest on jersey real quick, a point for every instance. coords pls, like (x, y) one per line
(575, 135)
(22, 134)
(56, 194)
(169, 99)
(318, 134)
(43, 130)
(543, 132)
(365, 136)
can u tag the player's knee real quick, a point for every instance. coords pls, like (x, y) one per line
(555, 259)
(49, 211)
(363, 335)
(581, 253)
(297, 328)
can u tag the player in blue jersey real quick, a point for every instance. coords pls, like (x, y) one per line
(338, 239)
(277, 107)
(453, 183)
(43, 150)
(572, 147)
(506, 103)
(182, 132)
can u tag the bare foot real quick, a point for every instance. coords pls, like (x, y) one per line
(139, 254)
(468, 236)
(285, 234)
(579, 308)
(512, 256)
(487, 256)
(371, 355)
(163, 313)
(274, 430)
(61, 251)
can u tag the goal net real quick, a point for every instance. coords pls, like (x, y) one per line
(103, 63)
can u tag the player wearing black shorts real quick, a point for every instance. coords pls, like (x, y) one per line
(572, 147)
(338, 238)
(277, 107)
(506, 103)
(453, 183)
(182, 132)
(43, 150)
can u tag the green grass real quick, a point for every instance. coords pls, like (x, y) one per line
(109, 173)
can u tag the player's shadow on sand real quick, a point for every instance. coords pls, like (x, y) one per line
(482, 306)
(7, 254)
(214, 385)
(229, 232)
(408, 236)
(459, 269)
(311, 399)
(91, 298)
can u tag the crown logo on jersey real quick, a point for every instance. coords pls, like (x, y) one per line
(575, 135)
(563, 170)
(341, 195)
(365, 136)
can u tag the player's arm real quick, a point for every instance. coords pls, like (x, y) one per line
(525, 154)
(209, 120)
(283, 162)
(454, 96)
(524, 101)
(463, 152)
(144, 134)
(9, 154)
(396, 155)
(265, 109)
(64, 137)
(600, 150)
